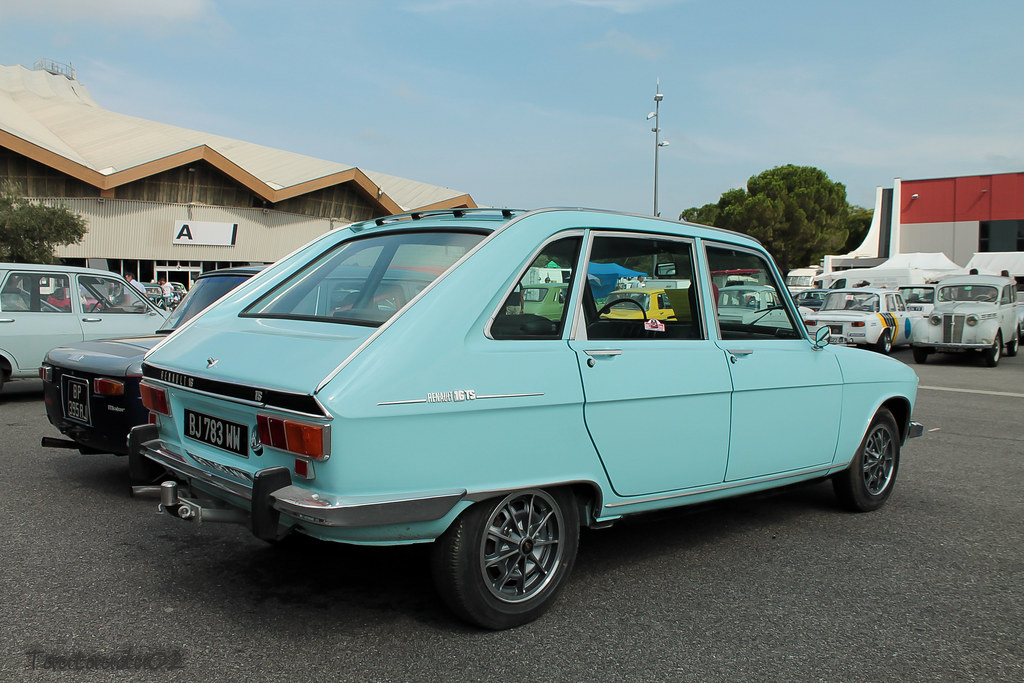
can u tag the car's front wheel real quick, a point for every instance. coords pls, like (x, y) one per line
(921, 355)
(993, 353)
(869, 480)
(503, 561)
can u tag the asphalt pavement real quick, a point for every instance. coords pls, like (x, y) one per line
(96, 585)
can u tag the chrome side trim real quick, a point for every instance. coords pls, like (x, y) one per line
(326, 415)
(726, 486)
(478, 397)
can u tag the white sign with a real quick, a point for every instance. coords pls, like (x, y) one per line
(205, 233)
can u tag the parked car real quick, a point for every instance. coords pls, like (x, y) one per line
(91, 388)
(920, 299)
(744, 303)
(647, 303)
(875, 318)
(546, 299)
(810, 299)
(971, 313)
(494, 433)
(42, 306)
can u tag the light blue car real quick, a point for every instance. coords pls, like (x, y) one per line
(43, 306)
(388, 384)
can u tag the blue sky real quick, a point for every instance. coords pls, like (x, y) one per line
(530, 103)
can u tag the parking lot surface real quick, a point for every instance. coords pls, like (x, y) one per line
(775, 587)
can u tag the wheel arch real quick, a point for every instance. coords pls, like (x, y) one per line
(900, 409)
(587, 494)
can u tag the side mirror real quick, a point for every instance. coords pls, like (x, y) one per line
(821, 337)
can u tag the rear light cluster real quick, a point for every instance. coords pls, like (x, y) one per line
(301, 438)
(107, 387)
(155, 399)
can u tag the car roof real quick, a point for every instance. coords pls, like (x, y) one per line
(238, 270)
(864, 290)
(41, 267)
(991, 280)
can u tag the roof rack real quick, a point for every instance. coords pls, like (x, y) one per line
(419, 215)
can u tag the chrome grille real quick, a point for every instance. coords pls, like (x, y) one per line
(952, 328)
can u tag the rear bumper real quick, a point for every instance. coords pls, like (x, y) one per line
(270, 493)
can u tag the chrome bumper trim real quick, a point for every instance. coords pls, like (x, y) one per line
(318, 508)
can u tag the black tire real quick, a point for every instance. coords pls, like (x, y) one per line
(921, 355)
(868, 482)
(1014, 344)
(503, 561)
(992, 354)
(884, 343)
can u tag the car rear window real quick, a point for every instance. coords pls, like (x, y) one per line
(365, 281)
(203, 293)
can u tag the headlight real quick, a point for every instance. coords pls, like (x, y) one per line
(935, 320)
(972, 320)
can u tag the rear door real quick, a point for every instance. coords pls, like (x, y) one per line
(656, 392)
(111, 307)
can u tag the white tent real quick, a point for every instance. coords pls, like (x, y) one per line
(995, 262)
(902, 269)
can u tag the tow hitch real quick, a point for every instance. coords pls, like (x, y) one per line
(187, 508)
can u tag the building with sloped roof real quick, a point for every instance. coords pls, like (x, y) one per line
(163, 201)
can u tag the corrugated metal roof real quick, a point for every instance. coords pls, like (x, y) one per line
(58, 115)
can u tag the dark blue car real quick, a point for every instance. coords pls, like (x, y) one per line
(91, 389)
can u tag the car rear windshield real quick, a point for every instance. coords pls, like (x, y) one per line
(851, 301)
(365, 281)
(204, 292)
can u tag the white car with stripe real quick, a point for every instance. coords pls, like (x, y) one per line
(864, 316)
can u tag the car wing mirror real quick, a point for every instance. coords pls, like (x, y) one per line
(821, 337)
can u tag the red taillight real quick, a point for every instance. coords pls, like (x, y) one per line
(304, 469)
(810, 323)
(292, 436)
(108, 387)
(857, 323)
(46, 373)
(155, 399)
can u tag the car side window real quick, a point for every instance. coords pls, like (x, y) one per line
(36, 292)
(615, 310)
(737, 275)
(536, 306)
(107, 295)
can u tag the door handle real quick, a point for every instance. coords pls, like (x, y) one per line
(6, 320)
(735, 353)
(604, 352)
(92, 320)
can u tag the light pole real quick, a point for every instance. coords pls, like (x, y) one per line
(658, 97)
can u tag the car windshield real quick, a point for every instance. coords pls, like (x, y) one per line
(918, 295)
(204, 292)
(851, 301)
(365, 281)
(968, 293)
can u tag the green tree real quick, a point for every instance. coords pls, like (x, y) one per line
(797, 212)
(30, 232)
(858, 224)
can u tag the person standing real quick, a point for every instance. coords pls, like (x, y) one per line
(130, 277)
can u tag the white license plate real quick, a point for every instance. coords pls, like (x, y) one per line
(219, 433)
(836, 340)
(76, 399)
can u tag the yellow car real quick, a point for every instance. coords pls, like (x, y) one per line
(658, 304)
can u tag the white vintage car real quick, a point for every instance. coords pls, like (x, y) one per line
(972, 313)
(920, 299)
(876, 318)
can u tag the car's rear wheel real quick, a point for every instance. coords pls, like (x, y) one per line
(993, 353)
(869, 480)
(884, 343)
(503, 561)
(1013, 344)
(921, 355)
